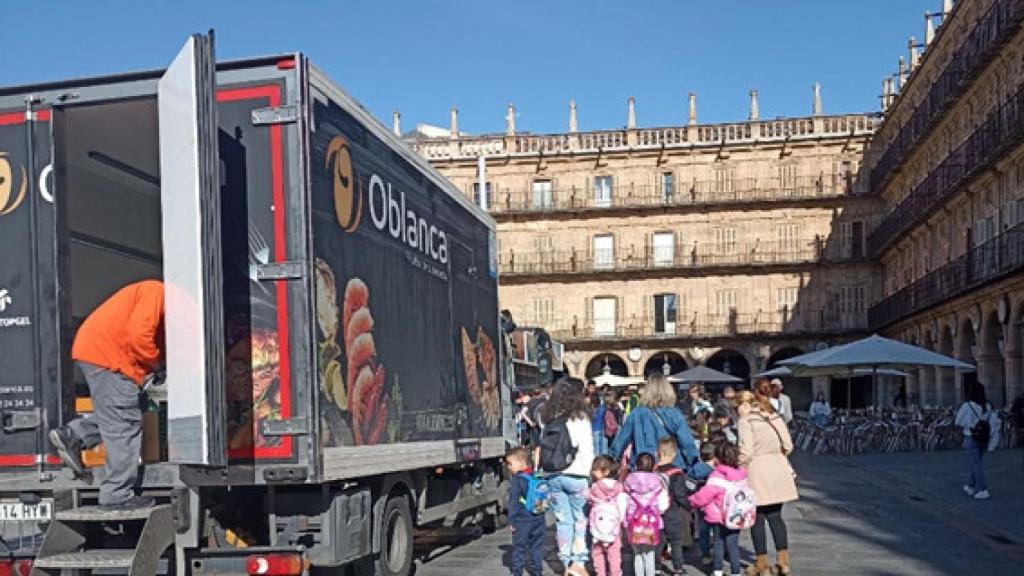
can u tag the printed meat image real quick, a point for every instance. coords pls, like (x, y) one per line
(367, 401)
(476, 356)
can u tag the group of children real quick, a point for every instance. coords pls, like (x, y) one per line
(649, 509)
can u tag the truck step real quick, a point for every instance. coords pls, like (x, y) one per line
(96, 514)
(89, 559)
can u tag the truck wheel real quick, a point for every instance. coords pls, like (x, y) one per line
(396, 545)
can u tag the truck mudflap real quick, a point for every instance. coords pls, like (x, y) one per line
(256, 560)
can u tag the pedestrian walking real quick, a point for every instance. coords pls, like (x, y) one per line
(656, 417)
(677, 528)
(980, 425)
(780, 401)
(599, 408)
(566, 455)
(608, 504)
(648, 500)
(120, 349)
(526, 519)
(765, 445)
(727, 506)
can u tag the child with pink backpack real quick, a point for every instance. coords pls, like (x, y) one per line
(648, 500)
(608, 502)
(728, 504)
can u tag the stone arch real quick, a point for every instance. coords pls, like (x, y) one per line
(613, 362)
(657, 361)
(799, 390)
(731, 362)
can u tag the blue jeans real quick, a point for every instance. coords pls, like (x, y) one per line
(568, 499)
(703, 535)
(727, 540)
(976, 467)
(600, 443)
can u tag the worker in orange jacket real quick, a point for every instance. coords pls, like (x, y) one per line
(119, 348)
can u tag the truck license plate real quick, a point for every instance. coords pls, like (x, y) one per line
(14, 510)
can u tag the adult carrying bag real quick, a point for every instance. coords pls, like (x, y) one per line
(556, 449)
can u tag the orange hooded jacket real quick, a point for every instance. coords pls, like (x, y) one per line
(126, 333)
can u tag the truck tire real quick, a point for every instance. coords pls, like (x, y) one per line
(396, 542)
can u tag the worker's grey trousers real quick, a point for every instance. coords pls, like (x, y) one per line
(116, 419)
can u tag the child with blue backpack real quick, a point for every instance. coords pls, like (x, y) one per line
(527, 502)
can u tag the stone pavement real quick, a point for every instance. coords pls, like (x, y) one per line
(872, 515)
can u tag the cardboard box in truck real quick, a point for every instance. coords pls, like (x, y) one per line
(333, 349)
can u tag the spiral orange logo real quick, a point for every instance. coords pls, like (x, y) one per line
(348, 203)
(9, 200)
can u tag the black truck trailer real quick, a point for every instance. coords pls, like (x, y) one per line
(335, 368)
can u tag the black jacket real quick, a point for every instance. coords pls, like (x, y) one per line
(677, 492)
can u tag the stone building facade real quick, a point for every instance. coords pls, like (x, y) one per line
(948, 164)
(654, 249)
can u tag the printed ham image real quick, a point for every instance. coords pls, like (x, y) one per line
(366, 399)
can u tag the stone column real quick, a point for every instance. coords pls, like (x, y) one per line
(929, 29)
(816, 105)
(692, 118)
(945, 386)
(573, 127)
(913, 387)
(631, 114)
(396, 123)
(926, 386)
(1013, 361)
(510, 120)
(453, 125)
(991, 373)
(755, 110)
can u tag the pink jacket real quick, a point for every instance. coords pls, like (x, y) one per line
(711, 498)
(609, 490)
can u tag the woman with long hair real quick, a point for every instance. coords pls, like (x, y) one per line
(567, 414)
(656, 417)
(765, 445)
(978, 438)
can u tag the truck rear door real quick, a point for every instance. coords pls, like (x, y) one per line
(194, 308)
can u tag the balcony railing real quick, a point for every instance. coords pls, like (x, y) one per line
(792, 129)
(709, 326)
(697, 192)
(984, 263)
(1003, 128)
(673, 257)
(995, 28)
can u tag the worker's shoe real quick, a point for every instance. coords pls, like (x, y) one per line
(133, 503)
(69, 448)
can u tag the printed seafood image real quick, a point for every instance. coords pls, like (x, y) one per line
(477, 356)
(367, 401)
(327, 314)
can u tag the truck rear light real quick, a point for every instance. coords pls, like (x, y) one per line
(274, 564)
(15, 567)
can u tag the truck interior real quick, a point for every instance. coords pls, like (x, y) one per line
(107, 176)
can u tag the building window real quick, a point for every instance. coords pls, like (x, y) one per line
(725, 303)
(668, 186)
(851, 305)
(604, 251)
(723, 180)
(604, 316)
(542, 195)
(664, 249)
(476, 195)
(602, 191)
(543, 311)
(666, 312)
(789, 238)
(787, 302)
(725, 240)
(787, 177)
(846, 176)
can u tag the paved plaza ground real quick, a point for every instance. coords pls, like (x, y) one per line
(876, 515)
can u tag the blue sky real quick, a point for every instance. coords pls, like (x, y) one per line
(422, 57)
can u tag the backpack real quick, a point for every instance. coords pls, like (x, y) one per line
(739, 503)
(611, 423)
(538, 495)
(556, 449)
(981, 433)
(605, 521)
(643, 527)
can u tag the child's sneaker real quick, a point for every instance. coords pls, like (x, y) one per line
(982, 495)
(968, 490)
(706, 560)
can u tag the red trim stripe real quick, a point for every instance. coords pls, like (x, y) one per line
(273, 94)
(26, 459)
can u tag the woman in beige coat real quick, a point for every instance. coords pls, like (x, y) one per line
(765, 445)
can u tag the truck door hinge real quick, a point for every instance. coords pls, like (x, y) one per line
(287, 427)
(286, 270)
(286, 114)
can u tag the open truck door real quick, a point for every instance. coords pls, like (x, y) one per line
(194, 307)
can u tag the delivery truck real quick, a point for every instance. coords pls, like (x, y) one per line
(336, 372)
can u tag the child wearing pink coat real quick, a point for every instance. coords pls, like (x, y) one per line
(608, 502)
(710, 500)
